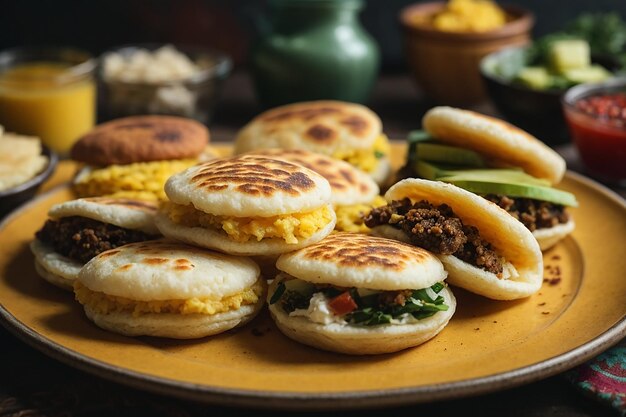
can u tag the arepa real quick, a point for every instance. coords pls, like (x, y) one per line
(527, 196)
(353, 193)
(168, 289)
(359, 294)
(483, 248)
(80, 229)
(247, 205)
(343, 130)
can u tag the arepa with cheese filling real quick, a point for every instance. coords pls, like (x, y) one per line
(169, 289)
(483, 248)
(353, 193)
(361, 295)
(346, 131)
(247, 205)
(80, 229)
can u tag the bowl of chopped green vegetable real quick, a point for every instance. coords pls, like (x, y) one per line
(526, 84)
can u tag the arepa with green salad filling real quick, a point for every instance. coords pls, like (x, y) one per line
(498, 161)
(361, 295)
(482, 247)
(247, 205)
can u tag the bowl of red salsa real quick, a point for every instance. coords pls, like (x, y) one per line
(596, 117)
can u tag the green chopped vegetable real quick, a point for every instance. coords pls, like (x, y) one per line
(379, 154)
(280, 290)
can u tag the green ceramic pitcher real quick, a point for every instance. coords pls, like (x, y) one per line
(312, 50)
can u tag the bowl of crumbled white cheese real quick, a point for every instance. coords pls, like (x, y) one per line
(161, 79)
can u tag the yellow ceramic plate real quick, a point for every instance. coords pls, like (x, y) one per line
(488, 345)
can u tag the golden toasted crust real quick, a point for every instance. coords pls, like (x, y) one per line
(141, 139)
(501, 142)
(361, 251)
(349, 185)
(249, 185)
(315, 125)
(356, 260)
(254, 175)
(167, 270)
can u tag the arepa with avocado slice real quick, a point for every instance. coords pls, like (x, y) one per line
(501, 162)
(482, 247)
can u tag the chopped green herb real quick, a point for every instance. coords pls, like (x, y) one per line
(278, 293)
(293, 300)
(438, 287)
(379, 154)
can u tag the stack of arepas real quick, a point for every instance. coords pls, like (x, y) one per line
(342, 269)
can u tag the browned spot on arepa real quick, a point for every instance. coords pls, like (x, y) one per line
(339, 174)
(254, 175)
(355, 250)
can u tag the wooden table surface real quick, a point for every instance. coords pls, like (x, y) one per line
(32, 384)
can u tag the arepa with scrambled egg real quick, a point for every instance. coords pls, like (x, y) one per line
(132, 157)
(343, 130)
(168, 289)
(359, 294)
(80, 229)
(247, 205)
(353, 193)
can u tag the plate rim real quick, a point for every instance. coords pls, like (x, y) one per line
(316, 401)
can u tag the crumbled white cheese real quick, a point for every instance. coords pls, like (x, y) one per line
(318, 311)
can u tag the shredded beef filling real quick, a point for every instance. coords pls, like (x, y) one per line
(81, 239)
(439, 230)
(534, 214)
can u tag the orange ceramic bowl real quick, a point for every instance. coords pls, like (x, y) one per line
(446, 64)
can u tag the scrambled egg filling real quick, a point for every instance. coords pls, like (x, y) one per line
(350, 218)
(141, 180)
(366, 159)
(289, 227)
(470, 16)
(104, 304)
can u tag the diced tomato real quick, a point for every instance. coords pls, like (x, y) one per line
(342, 304)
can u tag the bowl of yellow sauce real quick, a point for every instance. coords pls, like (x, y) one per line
(445, 41)
(49, 93)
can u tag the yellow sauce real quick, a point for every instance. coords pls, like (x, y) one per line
(42, 99)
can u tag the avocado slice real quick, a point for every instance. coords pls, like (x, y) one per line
(494, 175)
(510, 182)
(449, 154)
(535, 192)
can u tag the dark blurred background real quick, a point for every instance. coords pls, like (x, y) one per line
(226, 25)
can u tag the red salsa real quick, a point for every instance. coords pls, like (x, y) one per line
(598, 127)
